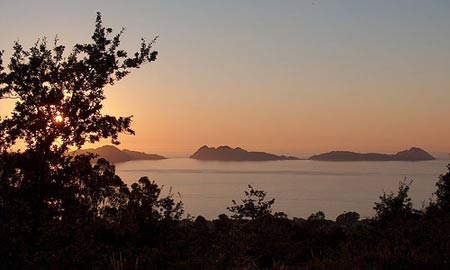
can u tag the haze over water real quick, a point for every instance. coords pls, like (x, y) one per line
(300, 187)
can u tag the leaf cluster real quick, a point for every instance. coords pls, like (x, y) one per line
(253, 206)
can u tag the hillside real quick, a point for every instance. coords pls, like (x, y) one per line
(412, 154)
(115, 155)
(226, 153)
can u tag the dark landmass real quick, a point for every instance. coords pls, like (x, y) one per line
(226, 153)
(412, 154)
(115, 155)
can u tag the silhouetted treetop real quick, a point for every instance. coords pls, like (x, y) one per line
(59, 96)
(253, 206)
(392, 206)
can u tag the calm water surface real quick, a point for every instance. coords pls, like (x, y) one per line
(299, 187)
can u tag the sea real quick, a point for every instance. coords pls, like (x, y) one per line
(300, 187)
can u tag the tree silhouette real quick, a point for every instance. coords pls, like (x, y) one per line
(59, 97)
(254, 205)
(51, 203)
(392, 206)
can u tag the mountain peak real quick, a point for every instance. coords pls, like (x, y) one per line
(414, 153)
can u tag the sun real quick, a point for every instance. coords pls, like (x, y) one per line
(58, 118)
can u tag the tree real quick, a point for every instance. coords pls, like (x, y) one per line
(253, 206)
(318, 216)
(59, 98)
(56, 208)
(393, 206)
(58, 105)
(146, 202)
(348, 218)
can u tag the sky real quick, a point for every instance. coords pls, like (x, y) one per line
(289, 77)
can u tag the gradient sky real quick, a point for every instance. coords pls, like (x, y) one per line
(281, 76)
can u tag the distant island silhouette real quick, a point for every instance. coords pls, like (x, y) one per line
(412, 154)
(115, 155)
(226, 153)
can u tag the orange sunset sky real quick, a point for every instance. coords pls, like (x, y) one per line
(290, 77)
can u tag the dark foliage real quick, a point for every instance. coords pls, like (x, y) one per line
(253, 206)
(393, 206)
(349, 218)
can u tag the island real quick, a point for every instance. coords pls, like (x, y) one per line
(115, 155)
(412, 154)
(226, 153)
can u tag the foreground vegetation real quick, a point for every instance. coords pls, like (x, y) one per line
(64, 212)
(84, 217)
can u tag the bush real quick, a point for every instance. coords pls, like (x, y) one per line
(393, 206)
(254, 205)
